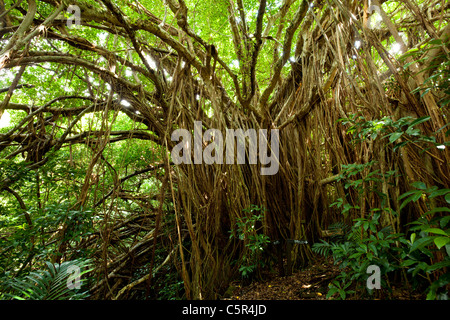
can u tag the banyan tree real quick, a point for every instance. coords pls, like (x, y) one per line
(96, 89)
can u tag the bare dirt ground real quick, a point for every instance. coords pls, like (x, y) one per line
(310, 283)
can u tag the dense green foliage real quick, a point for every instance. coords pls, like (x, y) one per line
(411, 255)
(57, 282)
(254, 241)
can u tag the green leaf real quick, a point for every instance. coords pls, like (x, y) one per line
(439, 192)
(366, 225)
(435, 41)
(409, 53)
(413, 237)
(373, 247)
(422, 242)
(438, 209)
(406, 65)
(447, 197)
(416, 196)
(425, 91)
(436, 231)
(445, 102)
(408, 263)
(419, 120)
(431, 295)
(404, 195)
(444, 221)
(439, 265)
(441, 241)
(419, 185)
(332, 291)
(51, 284)
(394, 136)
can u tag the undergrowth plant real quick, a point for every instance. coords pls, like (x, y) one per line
(422, 256)
(63, 281)
(366, 243)
(429, 242)
(255, 242)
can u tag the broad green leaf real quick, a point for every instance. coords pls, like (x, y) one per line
(425, 92)
(331, 291)
(420, 243)
(401, 144)
(408, 263)
(373, 247)
(438, 209)
(404, 195)
(406, 65)
(444, 221)
(419, 185)
(416, 196)
(413, 237)
(419, 120)
(394, 136)
(355, 255)
(441, 241)
(439, 192)
(445, 102)
(439, 265)
(436, 231)
(366, 225)
(435, 41)
(431, 295)
(409, 53)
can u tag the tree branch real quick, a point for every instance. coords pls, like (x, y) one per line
(295, 23)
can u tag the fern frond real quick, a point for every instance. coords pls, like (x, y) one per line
(323, 248)
(339, 229)
(52, 283)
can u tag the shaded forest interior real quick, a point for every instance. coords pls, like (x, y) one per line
(91, 93)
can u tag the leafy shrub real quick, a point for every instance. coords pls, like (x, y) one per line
(430, 236)
(365, 244)
(25, 247)
(248, 232)
(423, 257)
(173, 288)
(440, 66)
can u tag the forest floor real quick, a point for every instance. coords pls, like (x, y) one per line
(310, 283)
